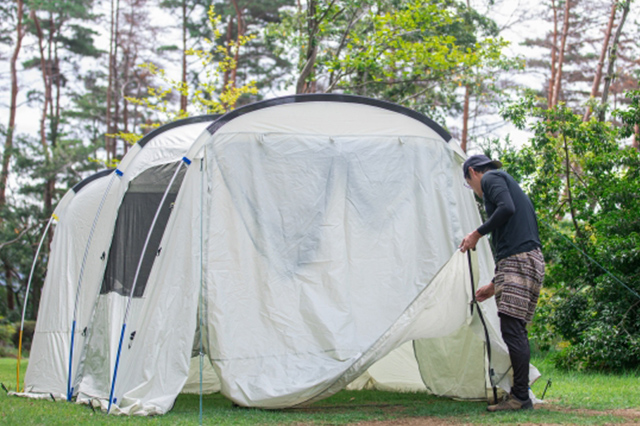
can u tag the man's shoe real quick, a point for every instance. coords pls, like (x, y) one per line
(511, 404)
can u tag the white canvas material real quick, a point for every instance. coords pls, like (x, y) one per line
(81, 229)
(315, 239)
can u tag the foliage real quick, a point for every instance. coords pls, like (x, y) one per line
(7, 331)
(211, 98)
(413, 52)
(28, 330)
(630, 117)
(585, 184)
(22, 220)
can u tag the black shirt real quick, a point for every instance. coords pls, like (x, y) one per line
(512, 218)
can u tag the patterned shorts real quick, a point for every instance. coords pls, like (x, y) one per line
(517, 281)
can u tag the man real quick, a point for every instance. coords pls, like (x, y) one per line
(519, 264)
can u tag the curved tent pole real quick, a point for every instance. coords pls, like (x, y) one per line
(26, 297)
(81, 276)
(186, 161)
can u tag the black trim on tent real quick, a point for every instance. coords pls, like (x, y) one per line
(78, 186)
(189, 120)
(142, 142)
(329, 97)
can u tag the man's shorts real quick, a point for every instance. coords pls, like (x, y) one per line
(517, 281)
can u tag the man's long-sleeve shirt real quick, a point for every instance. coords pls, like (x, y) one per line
(512, 218)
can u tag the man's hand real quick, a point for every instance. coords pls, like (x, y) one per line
(470, 241)
(485, 292)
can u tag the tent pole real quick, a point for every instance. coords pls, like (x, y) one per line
(484, 325)
(26, 297)
(84, 262)
(184, 161)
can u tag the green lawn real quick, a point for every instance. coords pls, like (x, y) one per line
(573, 398)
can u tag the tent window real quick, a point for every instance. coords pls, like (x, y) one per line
(132, 225)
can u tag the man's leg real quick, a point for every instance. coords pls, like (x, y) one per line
(514, 334)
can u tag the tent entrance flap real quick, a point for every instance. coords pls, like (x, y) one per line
(132, 226)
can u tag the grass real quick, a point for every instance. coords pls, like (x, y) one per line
(573, 398)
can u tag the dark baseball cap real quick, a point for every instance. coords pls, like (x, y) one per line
(478, 161)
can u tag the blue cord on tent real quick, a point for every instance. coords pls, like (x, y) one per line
(201, 280)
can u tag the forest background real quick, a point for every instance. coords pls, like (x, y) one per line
(83, 80)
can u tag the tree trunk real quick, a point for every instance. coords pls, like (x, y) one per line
(636, 137)
(554, 54)
(7, 277)
(116, 83)
(236, 57)
(603, 54)
(227, 72)
(8, 144)
(107, 138)
(465, 118)
(54, 118)
(563, 44)
(312, 49)
(608, 79)
(183, 96)
(46, 81)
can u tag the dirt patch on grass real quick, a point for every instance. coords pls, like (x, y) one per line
(631, 414)
(626, 413)
(412, 421)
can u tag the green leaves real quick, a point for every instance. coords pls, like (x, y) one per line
(584, 181)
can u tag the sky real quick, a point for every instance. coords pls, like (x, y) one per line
(508, 14)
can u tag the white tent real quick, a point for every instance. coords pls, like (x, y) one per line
(302, 244)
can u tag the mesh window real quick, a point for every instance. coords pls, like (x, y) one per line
(135, 216)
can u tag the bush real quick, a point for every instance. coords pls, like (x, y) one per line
(6, 333)
(27, 335)
(584, 182)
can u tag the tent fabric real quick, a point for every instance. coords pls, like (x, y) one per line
(86, 218)
(315, 239)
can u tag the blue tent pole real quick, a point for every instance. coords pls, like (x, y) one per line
(186, 161)
(115, 370)
(80, 278)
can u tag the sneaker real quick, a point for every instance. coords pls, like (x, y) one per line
(511, 404)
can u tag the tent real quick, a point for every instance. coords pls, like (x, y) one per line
(289, 249)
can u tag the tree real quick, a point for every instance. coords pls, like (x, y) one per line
(210, 98)
(603, 54)
(584, 182)
(8, 144)
(59, 37)
(586, 34)
(557, 77)
(612, 57)
(415, 53)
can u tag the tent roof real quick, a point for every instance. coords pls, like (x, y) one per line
(328, 97)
